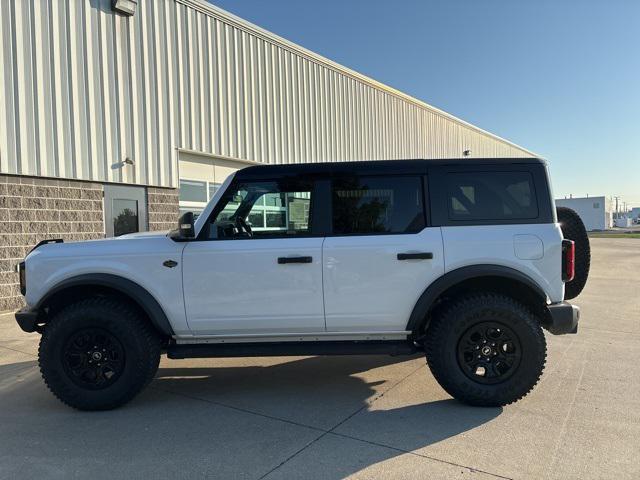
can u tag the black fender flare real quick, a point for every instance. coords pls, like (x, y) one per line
(128, 288)
(459, 275)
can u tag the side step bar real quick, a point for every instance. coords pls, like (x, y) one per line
(279, 349)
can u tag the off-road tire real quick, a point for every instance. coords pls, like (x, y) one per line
(138, 340)
(573, 229)
(448, 328)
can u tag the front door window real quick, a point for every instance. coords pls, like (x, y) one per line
(270, 209)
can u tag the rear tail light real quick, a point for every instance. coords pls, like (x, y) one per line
(568, 260)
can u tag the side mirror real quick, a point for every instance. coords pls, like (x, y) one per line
(185, 225)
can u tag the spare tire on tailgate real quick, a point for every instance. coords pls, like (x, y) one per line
(573, 229)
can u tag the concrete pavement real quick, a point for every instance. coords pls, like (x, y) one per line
(335, 417)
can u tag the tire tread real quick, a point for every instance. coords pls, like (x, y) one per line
(442, 370)
(146, 337)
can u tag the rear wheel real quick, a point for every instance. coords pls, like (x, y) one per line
(573, 229)
(98, 353)
(486, 350)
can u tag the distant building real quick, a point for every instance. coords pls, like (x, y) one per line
(624, 222)
(595, 212)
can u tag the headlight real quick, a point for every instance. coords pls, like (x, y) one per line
(23, 277)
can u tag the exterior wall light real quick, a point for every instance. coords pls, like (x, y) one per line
(126, 7)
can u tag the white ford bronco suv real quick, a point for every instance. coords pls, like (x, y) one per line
(463, 260)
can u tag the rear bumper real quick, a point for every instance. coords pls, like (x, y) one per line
(563, 318)
(27, 319)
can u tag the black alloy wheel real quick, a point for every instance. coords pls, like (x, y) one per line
(489, 352)
(93, 358)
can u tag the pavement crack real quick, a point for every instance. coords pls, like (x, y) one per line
(563, 428)
(377, 397)
(239, 409)
(417, 454)
(370, 402)
(347, 418)
(19, 351)
(293, 455)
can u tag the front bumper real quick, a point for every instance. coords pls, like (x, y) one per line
(27, 319)
(563, 318)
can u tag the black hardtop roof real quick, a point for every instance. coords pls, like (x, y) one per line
(374, 166)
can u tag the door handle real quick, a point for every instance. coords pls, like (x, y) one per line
(415, 256)
(283, 260)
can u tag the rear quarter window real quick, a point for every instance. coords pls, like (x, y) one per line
(491, 196)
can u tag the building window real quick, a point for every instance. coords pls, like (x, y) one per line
(193, 191)
(596, 204)
(213, 188)
(125, 216)
(195, 194)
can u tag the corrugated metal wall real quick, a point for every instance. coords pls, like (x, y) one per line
(82, 88)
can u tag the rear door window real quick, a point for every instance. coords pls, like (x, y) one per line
(491, 196)
(377, 205)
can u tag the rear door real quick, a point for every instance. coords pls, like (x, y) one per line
(380, 255)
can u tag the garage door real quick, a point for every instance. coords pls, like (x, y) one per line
(200, 176)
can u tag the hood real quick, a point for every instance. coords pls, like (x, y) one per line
(132, 243)
(162, 233)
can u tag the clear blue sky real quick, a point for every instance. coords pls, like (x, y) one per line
(559, 77)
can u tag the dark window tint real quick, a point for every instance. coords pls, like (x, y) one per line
(363, 205)
(125, 216)
(491, 196)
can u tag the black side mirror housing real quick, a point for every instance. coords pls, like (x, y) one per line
(185, 226)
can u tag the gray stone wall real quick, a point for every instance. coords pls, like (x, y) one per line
(162, 208)
(34, 209)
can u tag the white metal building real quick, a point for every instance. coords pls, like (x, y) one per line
(161, 93)
(595, 212)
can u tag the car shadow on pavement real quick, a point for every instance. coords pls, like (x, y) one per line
(240, 417)
(12, 373)
(354, 398)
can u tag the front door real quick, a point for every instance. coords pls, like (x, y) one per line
(381, 255)
(258, 265)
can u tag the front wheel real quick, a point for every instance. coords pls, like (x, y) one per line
(98, 353)
(486, 350)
